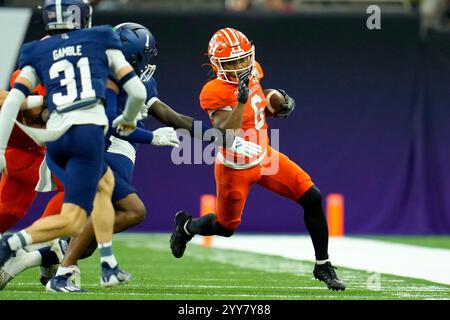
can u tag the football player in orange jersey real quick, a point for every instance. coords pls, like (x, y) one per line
(234, 99)
(18, 181)
(21, 175)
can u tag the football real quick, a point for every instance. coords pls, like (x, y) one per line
(274, 102)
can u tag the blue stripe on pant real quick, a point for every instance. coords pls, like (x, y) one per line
(79, 156)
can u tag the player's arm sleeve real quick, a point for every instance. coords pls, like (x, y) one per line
(152, 92)
(138, 136)
(12, 104)
(130, 82)
(31, 102)
(29, 74)
(116, 61)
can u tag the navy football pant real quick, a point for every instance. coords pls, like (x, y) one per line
(122, 168)
(79, 155)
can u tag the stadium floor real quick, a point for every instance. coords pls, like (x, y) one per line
(230, 274)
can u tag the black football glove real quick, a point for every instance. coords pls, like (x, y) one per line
(287, 107)
(243, 87)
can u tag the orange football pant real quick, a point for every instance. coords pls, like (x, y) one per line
(17, 188)
(234, 185)
(54, 206)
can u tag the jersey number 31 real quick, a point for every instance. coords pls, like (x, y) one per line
(69, 81)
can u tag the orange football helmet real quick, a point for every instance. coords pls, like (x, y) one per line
(228, 45)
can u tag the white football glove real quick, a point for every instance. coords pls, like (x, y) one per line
(124, 126)
(166, 136)
(246, 148)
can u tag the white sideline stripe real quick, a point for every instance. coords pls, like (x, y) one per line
(148, 286)
(405, 289)
(151, 294)
(404, 260)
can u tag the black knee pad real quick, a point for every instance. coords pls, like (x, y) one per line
(311, 198)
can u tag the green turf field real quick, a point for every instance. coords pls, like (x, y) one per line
(218, 274)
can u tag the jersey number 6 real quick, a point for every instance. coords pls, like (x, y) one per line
(259, 112)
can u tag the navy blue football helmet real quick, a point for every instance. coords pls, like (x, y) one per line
(66, 14)
(138, 47)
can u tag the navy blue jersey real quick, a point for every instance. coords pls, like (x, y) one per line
(73, 67)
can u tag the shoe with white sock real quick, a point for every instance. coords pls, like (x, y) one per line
(113, 276)
(65, 282)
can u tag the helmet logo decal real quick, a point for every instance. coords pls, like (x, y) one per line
(73, 14)
(66, 14)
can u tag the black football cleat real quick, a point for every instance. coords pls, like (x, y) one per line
(325, 272)
(179, 237)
